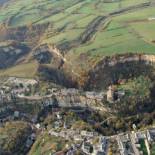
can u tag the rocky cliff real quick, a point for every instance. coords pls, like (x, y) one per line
(111, 69)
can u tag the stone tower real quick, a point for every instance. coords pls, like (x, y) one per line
(110, 94)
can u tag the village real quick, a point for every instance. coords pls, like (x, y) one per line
(14, 90)
(88, 141)
(17, 88)
(136, 142)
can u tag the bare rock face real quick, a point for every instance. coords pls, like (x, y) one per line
(10, 53)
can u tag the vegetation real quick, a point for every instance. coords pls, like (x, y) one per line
(143, 147)
(74, 26)
(153, 150)
(13, 136)
(81, 125)
(46, 144)
(83, 32)
(138, 87)
(138, 95)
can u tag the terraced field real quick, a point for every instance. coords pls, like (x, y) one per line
(83, 31)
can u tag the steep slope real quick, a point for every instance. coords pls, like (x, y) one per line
(11, 53)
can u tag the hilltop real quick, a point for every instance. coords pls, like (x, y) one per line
(67, 39)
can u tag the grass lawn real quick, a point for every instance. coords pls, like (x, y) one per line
(122, 35)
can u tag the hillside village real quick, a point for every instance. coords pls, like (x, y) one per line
(86, 140)
(17, 89)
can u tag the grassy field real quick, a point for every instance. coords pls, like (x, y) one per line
(129, 32)
(70, 19)
(122, 35)
(28, 70)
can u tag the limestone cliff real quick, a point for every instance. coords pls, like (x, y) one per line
(110, 69)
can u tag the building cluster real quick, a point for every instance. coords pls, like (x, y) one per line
(16, 87)
(6, 94)
(90, 143)
(72, 92)
(21, 88)
(136, 143)
(73, 98)
(25, 82)
(10, 90)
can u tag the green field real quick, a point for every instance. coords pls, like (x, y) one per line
(124, 36)
(128, 32)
